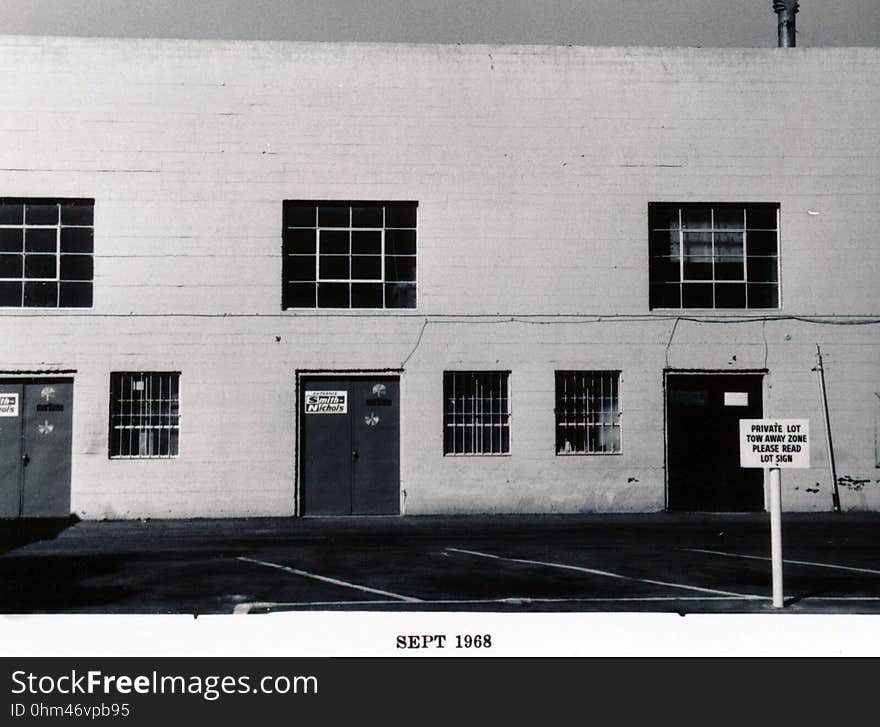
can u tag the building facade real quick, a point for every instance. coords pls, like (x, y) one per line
(260, 279)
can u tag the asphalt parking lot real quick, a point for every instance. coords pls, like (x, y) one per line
(658, 563)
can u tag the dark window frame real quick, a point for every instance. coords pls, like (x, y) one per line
(148, 415)
(349, 255)
(582, 427)
(714, 256)
(49, 264)
(467, 417)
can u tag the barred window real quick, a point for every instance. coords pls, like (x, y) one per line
(588, 412)
(349, 255)
(144, 414)
(714, 255)
(476, 412)
(46, 252)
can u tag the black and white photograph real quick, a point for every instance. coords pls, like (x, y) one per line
(424, 327)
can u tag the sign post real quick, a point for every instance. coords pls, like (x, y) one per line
(776, 535)
(775, 444)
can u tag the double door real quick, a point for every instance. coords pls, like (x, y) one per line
(350, 445)
(36, 418)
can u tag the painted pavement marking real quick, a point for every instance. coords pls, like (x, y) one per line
(843, 598)
(326, 579)
(607, 574)
(786, 560)
(244, 608)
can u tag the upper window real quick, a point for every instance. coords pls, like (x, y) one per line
(349, 255)
(476, 412)
(144, 414)
(46, 252)
(714, 255)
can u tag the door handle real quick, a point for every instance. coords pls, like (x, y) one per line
(25, 460)
(354, 455)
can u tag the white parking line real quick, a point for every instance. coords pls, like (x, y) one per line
(607, 574)
(326, 579)
(844, 598)
(793, 562)
(243, 608)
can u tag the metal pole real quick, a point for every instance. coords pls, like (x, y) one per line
(776, 536)
(786, 29)
(829, 444)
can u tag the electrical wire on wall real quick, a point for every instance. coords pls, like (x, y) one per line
(418, 343)
(669, 342)
(534, 319)
(577, 320)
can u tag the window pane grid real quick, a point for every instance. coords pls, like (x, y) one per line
(714, 256)
(588, 412)
(476, 413)
(46, 253)
(144, 414)
(349, 255)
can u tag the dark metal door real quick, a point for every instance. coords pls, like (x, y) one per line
(376, 439)
(702, 418)
(35, 446)
(325, 408)
(10, 449)
(350, 440)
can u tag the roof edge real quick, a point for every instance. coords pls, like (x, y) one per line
(529, 47)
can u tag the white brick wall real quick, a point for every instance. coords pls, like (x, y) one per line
(533, 168)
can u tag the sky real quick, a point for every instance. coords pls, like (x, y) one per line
(746, 23)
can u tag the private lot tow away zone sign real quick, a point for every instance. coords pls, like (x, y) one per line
(772, 443)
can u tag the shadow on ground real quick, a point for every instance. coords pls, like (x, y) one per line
(17, 533)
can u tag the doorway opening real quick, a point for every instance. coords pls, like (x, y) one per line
(349, 444)
(36, 428)
(702, 441)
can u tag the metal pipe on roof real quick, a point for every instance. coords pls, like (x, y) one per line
(786, 28)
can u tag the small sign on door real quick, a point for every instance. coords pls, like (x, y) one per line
(326, 402)
(774, 443)
(8, 405)
(736, 398)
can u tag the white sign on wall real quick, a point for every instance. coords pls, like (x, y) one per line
(8, 405)
(771, 443)
(326, 402)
